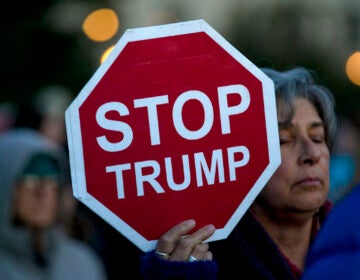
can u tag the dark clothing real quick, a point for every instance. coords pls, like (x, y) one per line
(248, 253)
(155, 268)
(335, 253)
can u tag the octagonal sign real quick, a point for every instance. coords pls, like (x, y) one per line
(175, 124)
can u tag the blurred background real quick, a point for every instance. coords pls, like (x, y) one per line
(51, 48)
(54, 42)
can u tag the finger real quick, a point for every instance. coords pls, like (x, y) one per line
(170, 239)
(187, 244)
(208, 256)
(200, 251)
(162, 255)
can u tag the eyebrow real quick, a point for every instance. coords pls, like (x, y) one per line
(317, 124)
(288, 124)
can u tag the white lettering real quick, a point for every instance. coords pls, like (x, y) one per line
(114, 126)
(118, 169)
(151, 104)
(225, 110)
(170, 176)
(177, 115)
(150, 178)
(216, 165)
(215, 170)
(235, 164)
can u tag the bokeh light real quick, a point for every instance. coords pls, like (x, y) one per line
(353, 68)
(106, 54)
(101, 25)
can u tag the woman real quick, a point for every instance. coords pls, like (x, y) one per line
(32, 244)
(272, 239)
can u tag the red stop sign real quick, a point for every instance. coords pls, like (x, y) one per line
(175, 124)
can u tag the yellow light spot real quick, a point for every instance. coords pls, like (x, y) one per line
(353, 68)
(101, 25)
(106, 54)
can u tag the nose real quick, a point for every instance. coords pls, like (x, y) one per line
(310, 152)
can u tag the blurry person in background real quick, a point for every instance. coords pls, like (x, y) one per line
(46, 112)
(345, 160)
(335, 253)
(32, 245)
(7, 116)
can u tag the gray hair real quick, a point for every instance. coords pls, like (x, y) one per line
(301, 83)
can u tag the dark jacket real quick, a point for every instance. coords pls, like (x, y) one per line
(248, 253)
(335, 253)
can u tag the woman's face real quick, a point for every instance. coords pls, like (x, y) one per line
(36, 201)
(301, 183)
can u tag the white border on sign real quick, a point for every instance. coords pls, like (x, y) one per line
(73, 127)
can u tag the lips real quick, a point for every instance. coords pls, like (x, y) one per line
(309, 182)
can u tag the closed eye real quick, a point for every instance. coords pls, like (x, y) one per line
(318, 139)
(284, 141)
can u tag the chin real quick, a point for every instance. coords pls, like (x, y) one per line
(313, 202)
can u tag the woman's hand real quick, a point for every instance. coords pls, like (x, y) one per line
(177, 245)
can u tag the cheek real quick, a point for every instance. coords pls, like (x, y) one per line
(37, 211)
(280, 175)
(326, 169)
(21, 205)
(276, 187)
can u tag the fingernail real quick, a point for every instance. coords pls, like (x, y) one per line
(190, 223)
(209, 228)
